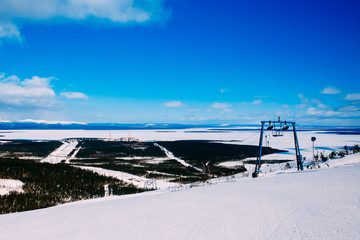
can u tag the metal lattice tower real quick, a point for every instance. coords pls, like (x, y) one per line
(277, 128)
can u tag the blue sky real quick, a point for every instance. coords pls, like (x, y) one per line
(180, 61)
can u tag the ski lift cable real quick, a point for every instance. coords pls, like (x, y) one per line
(251, 136)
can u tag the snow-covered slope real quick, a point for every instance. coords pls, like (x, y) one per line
(314, 204)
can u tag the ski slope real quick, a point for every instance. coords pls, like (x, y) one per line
(314, 204)
(170, 155)
(61, 153)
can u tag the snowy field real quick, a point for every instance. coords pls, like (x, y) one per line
(314, 204)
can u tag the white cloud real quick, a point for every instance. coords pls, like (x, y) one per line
(344, 112)
(330, 90)
(193, 110)
(9, 30)
(302, 97)
(256, 102)
(30, 92)
(218, 105)
(119, 11)
(353, 97)
(224, 107)
(174, 104)
(313, 111)
(37, 82)
(224, 90)
(74, 95)
(304, 101)
(319, 103)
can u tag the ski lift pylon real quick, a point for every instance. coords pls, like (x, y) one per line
(277, 128)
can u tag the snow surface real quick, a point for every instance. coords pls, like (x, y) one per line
(314, 204)
(10, 185)
(321, 203)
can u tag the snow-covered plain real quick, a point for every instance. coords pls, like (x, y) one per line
(313, 204)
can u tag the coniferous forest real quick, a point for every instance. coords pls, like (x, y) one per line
(48, 185)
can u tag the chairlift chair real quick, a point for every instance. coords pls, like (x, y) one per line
(277, 130)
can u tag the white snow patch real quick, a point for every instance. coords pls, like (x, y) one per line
(10, 185)
(156, 160)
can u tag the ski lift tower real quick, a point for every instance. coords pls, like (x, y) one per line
(277, 128)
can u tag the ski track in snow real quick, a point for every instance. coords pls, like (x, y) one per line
(129, 178)
(171, 156)
(61, 153)
(73, 155)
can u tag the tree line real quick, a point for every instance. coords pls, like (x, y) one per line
(48, 185)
